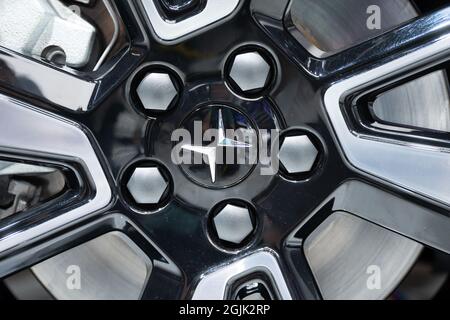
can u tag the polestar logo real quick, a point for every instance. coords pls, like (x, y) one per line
(218, 146)
(210, 151)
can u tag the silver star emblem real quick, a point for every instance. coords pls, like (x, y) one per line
(210, 151)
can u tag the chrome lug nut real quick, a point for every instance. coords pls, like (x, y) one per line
(298, 154)
(147, 186)
(157, 91)
(250, 72)
(234, 224)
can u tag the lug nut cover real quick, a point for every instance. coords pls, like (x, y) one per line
(147, 186)
(157, 91)
(234, 224)
(250, 71)
(298, 154)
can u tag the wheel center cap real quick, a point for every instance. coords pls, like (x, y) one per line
(217, 147)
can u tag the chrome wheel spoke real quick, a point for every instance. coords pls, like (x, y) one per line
(422, 224)
(361, 229)
(405, 38)
(72, 267)
(417, 167)
(216, 285)
(27, 132)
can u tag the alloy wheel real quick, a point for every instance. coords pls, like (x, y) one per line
(362, 119)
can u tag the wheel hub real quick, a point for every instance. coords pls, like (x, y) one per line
(228, 157)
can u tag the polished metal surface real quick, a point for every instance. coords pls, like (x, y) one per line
(400, 39)
(416, 167)
(29, 130)
(222, 147)
(120, 262)
(30, 27)
(421, 103)
(389, 211)
(110, 267)
(157, 91)
(215, 284)
(297, 154)
(147, 185)
(326, 26)
(345, 252)
(24, 286)
(233, 224)
(214, 11)
(210, 152)
(250, 71)
(37, 79)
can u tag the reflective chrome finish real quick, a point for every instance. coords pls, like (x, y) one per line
(214, 285)
(110, 267)
(387, 210)
(250, 71)
(26, 75)
(297, 154)
(147, 185)
(402, 39)
(233, 224)
(210, 152)
(214, 11)
(157, 91)
(120, 253)
(345, 251)
(325, 27)
(419, 168)
(27, 130)
(182, 222)
(220, 159)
